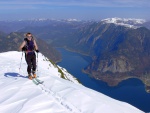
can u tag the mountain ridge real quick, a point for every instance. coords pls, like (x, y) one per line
(129, 54)
(12, 41)
(16, 25)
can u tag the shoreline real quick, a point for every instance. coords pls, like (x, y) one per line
(70, 50)
(114, 81)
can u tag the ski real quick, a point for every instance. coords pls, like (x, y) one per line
(35, 82)
(38, 81)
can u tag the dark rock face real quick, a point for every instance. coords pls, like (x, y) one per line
(129, 54)
(124, 54)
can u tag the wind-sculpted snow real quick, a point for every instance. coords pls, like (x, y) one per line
(55, 95)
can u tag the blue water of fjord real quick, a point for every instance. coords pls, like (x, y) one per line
(131, 91)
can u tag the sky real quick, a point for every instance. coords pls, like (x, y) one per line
(78, 9)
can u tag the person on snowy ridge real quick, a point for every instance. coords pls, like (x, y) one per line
(29, 46)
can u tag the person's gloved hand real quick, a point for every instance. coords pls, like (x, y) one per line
(24, 49)
(37, 51)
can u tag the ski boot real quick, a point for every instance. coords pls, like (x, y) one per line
(30, 76)
(34, 75)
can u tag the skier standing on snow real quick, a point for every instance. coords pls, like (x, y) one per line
(29, 46)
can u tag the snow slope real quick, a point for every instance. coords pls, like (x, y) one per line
(56, 95)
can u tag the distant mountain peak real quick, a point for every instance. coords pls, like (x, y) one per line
(72, 19)
(127, 22)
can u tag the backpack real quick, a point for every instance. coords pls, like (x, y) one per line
(29, 45)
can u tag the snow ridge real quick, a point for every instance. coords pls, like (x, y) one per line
(56, 95)
(127, 22)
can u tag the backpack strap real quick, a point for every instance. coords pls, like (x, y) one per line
(25, 39)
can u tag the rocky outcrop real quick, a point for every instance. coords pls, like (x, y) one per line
(114, 65)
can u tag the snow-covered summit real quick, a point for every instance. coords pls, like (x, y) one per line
(56, 95)
(127, 22)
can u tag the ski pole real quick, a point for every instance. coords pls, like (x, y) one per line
(37, 63)
(20, 62)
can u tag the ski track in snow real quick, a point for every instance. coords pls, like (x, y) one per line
(69, 106)
(55, 95)
(8, 68)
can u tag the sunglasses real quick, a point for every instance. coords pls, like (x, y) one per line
(29, 36)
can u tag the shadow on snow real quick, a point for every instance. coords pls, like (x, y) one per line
(11, 74)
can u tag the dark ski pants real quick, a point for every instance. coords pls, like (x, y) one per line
(31, 62)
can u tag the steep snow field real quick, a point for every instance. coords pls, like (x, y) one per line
(18, 94)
